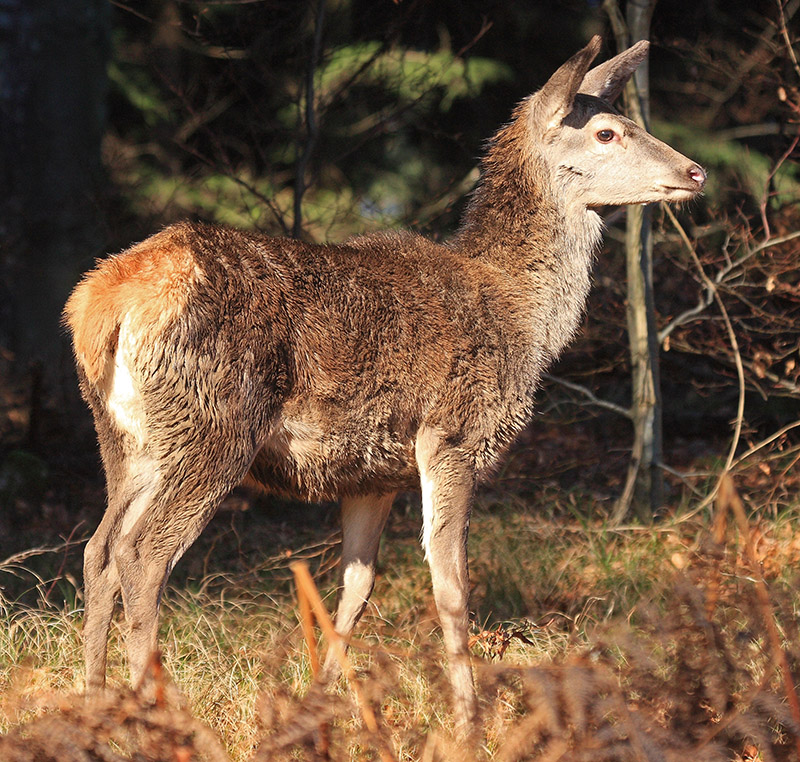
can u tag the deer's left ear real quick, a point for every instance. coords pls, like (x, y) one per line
(607, 80)
(554, 101)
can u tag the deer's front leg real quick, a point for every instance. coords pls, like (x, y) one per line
(447, 477)
(363, 518)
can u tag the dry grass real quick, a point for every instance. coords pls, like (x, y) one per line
(646, 645)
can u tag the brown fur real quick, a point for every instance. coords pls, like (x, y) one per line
(149, 283)
(210, 356)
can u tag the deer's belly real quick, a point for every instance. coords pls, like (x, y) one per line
(305, 459)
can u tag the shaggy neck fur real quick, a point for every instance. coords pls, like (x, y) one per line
(525, 219)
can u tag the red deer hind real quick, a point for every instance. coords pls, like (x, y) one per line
(212, 356)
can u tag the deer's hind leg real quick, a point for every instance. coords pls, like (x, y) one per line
(173, 450)
(101, 587)
(101, 582)
(128, 497)
(185, 492)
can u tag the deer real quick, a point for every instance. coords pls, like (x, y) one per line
(212, 357)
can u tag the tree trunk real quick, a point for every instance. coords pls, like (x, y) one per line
(645, 381)
(644, 487)
(52, 95)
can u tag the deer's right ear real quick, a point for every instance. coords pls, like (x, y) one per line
(607, 80)
(554, 101)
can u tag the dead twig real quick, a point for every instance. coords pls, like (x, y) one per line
(729, 500)
(308, 590)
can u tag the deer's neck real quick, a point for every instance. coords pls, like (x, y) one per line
(524, 224)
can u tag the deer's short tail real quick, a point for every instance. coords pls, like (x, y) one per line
(143, 288)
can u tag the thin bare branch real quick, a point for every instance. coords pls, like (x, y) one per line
(17, 558)
(723, 275)
(785, 34)
(764, 442)
(589, 394)
(765, 198)
(710, 285)
(684, 477)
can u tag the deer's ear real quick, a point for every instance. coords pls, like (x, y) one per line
(607, 80)
(554, 101)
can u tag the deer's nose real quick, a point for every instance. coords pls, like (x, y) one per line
(697, 175)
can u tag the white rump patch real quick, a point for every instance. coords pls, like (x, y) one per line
(124, 400)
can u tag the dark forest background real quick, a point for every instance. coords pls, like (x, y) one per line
(326, 119)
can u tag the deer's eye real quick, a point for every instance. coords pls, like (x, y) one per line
(605, 136)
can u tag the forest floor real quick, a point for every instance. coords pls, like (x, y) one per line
(657, 642)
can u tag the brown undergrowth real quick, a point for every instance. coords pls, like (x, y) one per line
(708, 674)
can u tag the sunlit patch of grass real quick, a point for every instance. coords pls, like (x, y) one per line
(547, 591)
(41, 638)
(40, 644)
(40, 653)
(229, 640)
(222, 651)
(525, 566)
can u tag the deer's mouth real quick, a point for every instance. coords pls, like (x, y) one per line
(679, 192)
